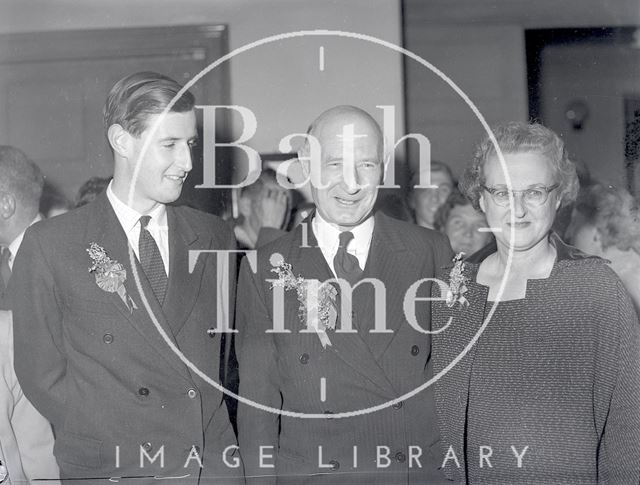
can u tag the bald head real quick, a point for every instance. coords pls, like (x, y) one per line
(331, 123)
(343, 156)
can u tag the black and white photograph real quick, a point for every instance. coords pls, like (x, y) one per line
(296, 242)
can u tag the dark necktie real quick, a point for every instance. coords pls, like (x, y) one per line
(346, 265)
(151, 260)
(5, 270)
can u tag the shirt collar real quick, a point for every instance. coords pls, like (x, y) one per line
(327, 234)
(15, 244)
(129, 217)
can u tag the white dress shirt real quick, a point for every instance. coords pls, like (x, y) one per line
(15, 244)
(328, 234)
(130, 222)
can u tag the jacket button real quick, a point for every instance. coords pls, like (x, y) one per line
(401, 457)
(192, 393)
(415, 350)
(143, 391)
(304, 358)
(335, 464)
(107, 338)
(397, 405)
(147, 446)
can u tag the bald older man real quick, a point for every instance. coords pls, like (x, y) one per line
(316, 366)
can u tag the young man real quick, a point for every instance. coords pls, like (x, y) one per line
(89, 354)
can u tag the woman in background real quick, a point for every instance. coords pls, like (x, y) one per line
(550, 391)
(606, 222)
(465, 226)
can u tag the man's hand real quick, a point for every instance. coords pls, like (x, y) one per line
(272, 209)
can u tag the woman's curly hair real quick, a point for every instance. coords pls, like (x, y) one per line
(520, 137)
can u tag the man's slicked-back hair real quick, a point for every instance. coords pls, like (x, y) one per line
(135, 98)
(21, 177)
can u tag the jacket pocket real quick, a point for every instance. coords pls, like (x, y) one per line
(78, 450)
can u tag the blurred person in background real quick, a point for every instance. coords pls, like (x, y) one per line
(26, 438)
(462, 224)
(606, 223)
(265, 209)
(91, 189)
(21, 184)
(53, 202)
(424, 202)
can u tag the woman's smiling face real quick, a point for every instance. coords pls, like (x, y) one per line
(527, 170)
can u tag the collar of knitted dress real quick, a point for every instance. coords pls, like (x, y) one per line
(564, 251)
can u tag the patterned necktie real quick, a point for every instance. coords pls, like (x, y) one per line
(151, 260)
(5, 270)
(346, 265)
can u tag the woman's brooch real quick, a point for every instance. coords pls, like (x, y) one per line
(457, 283)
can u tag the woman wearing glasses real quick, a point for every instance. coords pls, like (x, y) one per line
(549, 389)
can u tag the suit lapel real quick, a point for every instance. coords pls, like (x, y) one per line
(184, 287)
(385, 262)
(105, 230)
(350, 347)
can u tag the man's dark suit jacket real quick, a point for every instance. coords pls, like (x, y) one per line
(102, 374)
(361, 370)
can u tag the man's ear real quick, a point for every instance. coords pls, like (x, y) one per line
(7, 205)
(303, 160)
(482, 203)
(385, 165)
(120, 140)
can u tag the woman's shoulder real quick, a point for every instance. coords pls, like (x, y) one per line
(589, 271)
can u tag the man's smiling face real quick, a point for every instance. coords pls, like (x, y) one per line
(351, 168)
(167, 159)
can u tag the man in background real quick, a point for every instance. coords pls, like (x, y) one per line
(26, 440)
(21, 183)
(265, 208)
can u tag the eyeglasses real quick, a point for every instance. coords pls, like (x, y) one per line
(533, 197)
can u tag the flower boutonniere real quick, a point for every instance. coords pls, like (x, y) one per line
(318, 308)
(110, 275)
(457, 283)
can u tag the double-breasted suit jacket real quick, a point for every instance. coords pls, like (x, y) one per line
(100, 370)
(359, 370)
